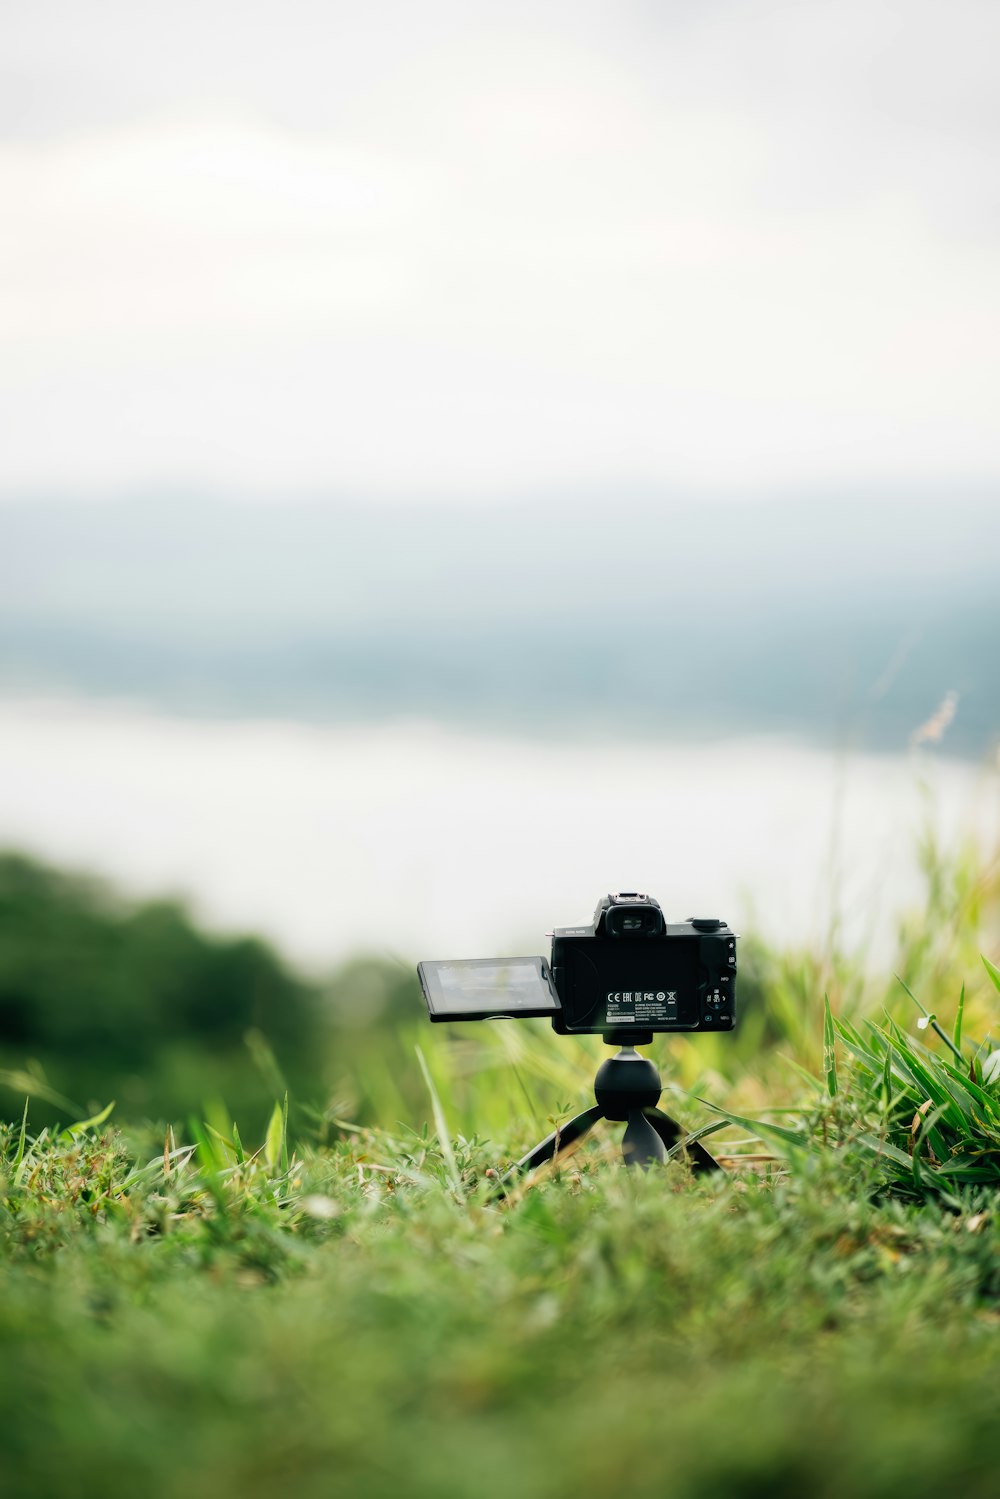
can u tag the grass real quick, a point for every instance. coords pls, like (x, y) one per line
(358, 1319)
(362, 1323)
(193, 1317)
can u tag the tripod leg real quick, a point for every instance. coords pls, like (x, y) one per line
(553, 1145)
(643, 1144)
(671, 1134)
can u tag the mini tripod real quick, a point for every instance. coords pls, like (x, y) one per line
(627, 1087)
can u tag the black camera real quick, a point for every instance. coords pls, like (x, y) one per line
(628, 972)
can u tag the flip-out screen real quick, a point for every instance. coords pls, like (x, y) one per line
(479, 988)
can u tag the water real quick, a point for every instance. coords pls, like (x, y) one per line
(421, 841)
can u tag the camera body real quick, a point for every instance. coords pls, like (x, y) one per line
(630, 970)
(628, 973)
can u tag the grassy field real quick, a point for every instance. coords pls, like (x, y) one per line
(185, 1316)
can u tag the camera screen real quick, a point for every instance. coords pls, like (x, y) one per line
(480, 988)
(612, 983)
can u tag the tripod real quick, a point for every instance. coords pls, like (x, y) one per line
(627, 1087)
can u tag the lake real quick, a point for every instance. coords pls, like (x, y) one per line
(421, 841)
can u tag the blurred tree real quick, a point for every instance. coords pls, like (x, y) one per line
(110, 999)
(102, 997)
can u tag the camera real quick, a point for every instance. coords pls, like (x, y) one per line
(628, 973)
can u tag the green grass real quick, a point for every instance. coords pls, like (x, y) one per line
(202, 1316)
(358, 1319)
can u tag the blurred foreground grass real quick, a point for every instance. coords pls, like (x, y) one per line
(341, 1310)
(360, 1321)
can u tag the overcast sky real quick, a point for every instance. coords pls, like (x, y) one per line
(475, 250)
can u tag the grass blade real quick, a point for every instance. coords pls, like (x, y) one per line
(695, 1136)
(885, 1148)
(440, 1125)
(930, 1019)
(274, 1139)
(72, 1130)
(957, 1033)
(762, 1130)
(801, 1072)
(228, 1145)
(887, 1081)
(209, 1164)
(829, 1048)
(20, 1160)
(19, 1153)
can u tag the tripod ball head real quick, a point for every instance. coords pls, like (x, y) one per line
(626, 1082)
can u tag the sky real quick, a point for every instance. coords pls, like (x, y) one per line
(465, 251)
